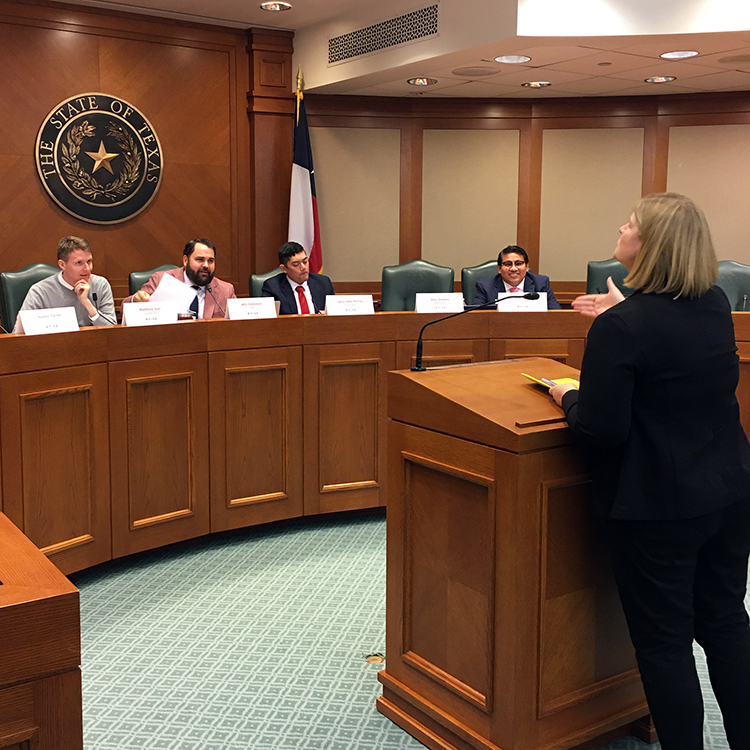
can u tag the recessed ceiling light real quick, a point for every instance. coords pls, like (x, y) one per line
(513, 59)
(536, 84)
(422, 81)
(660, 79)
(679, 54)
(276, 6)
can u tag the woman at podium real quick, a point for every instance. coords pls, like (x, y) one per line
(670, 466)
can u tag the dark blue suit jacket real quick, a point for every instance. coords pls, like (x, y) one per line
(278, 288)
(489, 289)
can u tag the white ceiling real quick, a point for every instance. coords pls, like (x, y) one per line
(604, 65)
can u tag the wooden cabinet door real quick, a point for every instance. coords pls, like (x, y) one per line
(256, 436)
(344, 425)
(55, 462)
(160, 451)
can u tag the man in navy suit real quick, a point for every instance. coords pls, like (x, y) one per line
(514, 275)
(299, 291)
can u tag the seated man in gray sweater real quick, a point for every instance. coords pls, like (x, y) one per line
(75, 286)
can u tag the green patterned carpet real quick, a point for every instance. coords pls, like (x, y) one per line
(254, 641)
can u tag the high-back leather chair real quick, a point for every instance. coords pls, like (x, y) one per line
(599, 270)
(734, 279)
(138, 278)
(14, 286)
(258, 279)
(471, 274)
(400, 284)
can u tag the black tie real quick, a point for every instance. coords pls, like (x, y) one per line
(194, 304)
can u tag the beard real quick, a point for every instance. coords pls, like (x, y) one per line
(197, 278)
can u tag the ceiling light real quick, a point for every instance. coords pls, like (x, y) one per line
(679, 54)
(660, 79)
(422, 81)
(536, 84)
(513, 59)
(276, 6)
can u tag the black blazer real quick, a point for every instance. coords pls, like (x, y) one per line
(489, 289)
(657, 408)
(278, 288)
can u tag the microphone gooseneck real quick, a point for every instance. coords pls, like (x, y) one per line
(418, 367)
(211, 292)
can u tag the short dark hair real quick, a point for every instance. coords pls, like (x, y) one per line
(190, 246)
(289, 250)
(512, 249)
(67, 244)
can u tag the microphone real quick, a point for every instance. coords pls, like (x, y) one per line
(486, 306)
(211, 292)
(96, 300)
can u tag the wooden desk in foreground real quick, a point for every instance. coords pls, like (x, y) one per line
(40, 652)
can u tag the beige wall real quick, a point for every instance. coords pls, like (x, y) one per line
(357, 183)
(711, 164)
(469, 195)
(590, 181)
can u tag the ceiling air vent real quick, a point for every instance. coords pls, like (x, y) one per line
(410, 27)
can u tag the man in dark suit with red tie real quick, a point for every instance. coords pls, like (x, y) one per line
(299, 291)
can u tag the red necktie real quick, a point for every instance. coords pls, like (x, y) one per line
(303, 306)
(514, 289)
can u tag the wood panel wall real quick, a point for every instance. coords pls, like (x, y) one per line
(655, 115)
(190, 81)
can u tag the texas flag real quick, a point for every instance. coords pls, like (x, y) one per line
(303, 207)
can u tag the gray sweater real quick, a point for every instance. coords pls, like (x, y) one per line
(50, 292)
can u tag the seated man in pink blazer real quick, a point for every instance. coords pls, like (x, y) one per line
(198, 267)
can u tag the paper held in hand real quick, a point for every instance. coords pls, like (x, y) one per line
(549, 382)
(149, 313)
(431, 302)
(51, 320)
(349, 304)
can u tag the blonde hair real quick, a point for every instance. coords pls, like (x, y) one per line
(677, 255)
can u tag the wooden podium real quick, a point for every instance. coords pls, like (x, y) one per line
(504, 628)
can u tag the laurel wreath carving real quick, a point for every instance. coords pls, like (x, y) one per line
(88, 184)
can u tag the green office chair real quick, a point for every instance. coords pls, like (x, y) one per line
(13, 288)
(258, 279)
(599, 270)
(138, 278)
(401, 283)
(734, 279)
(471, 274)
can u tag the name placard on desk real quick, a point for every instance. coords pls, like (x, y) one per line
(514, 302)
(51, 320)
(349, 304)
(431, 302)
(149, 313)
(251, 307)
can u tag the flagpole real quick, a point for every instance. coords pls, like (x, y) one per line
(298, 93)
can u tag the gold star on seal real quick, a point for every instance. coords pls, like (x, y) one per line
(102, 158)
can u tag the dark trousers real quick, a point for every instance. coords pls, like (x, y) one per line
(679, 581)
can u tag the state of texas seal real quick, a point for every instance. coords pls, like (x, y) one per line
(99, 158)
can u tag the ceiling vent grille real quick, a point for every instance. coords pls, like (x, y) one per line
(410, 27)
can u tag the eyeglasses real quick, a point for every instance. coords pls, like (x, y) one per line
(511, 263)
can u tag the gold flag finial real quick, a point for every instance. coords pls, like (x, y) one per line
(298, 93)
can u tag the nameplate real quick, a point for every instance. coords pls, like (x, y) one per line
(516, 303)
(349, 304)
(251, 307)
(51, 320)
(428, 302)
(149, 313)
